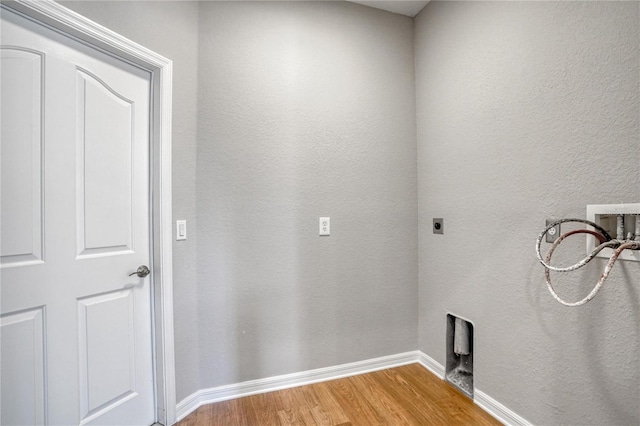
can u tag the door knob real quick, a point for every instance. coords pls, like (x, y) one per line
(142, 271)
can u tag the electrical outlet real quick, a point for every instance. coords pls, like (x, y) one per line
(553, 233)
(438, 225)
(325, 226)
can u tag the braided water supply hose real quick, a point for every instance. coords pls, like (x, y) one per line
(606, 241)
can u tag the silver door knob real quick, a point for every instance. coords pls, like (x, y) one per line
(142, 271)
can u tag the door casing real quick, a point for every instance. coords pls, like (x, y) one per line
(65, 21)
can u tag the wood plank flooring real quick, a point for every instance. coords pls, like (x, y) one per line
(407, 395)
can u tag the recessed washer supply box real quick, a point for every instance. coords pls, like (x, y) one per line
(606, 216)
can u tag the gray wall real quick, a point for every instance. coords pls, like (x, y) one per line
(306, 109)
(171, 29)
(528, 111)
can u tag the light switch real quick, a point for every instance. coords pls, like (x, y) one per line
(325, 226)
(181, 230)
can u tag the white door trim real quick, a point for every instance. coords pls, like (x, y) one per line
(70, 23)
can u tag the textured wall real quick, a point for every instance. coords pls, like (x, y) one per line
(528, 111)
(170, 29)
(306, 109)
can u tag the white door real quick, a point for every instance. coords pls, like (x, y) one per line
(76, 336)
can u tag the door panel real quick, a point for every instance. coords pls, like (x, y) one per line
(23, 367)
(21, 112)
(107, 351)
(75, 224)
(104, 163)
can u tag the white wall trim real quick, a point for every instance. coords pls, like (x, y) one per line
(269, 384)
(497, 410)
(431, 364)
(72, 24)
(481, 399)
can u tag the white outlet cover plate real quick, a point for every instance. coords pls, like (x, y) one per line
(324, 226)
(593, 210)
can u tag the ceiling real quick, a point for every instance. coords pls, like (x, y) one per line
(403, 7)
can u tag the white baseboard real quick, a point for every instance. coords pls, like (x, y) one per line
(497, 410)
(269, 384)
(481, 399)
(431, 364)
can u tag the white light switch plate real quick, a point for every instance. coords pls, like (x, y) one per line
(325, 226)
(181, 230)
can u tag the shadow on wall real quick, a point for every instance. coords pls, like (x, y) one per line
(584, 341)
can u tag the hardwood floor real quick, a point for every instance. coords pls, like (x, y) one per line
(407, 395)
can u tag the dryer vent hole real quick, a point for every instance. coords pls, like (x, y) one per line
(459, 368)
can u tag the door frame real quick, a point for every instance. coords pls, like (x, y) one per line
(65, 21)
